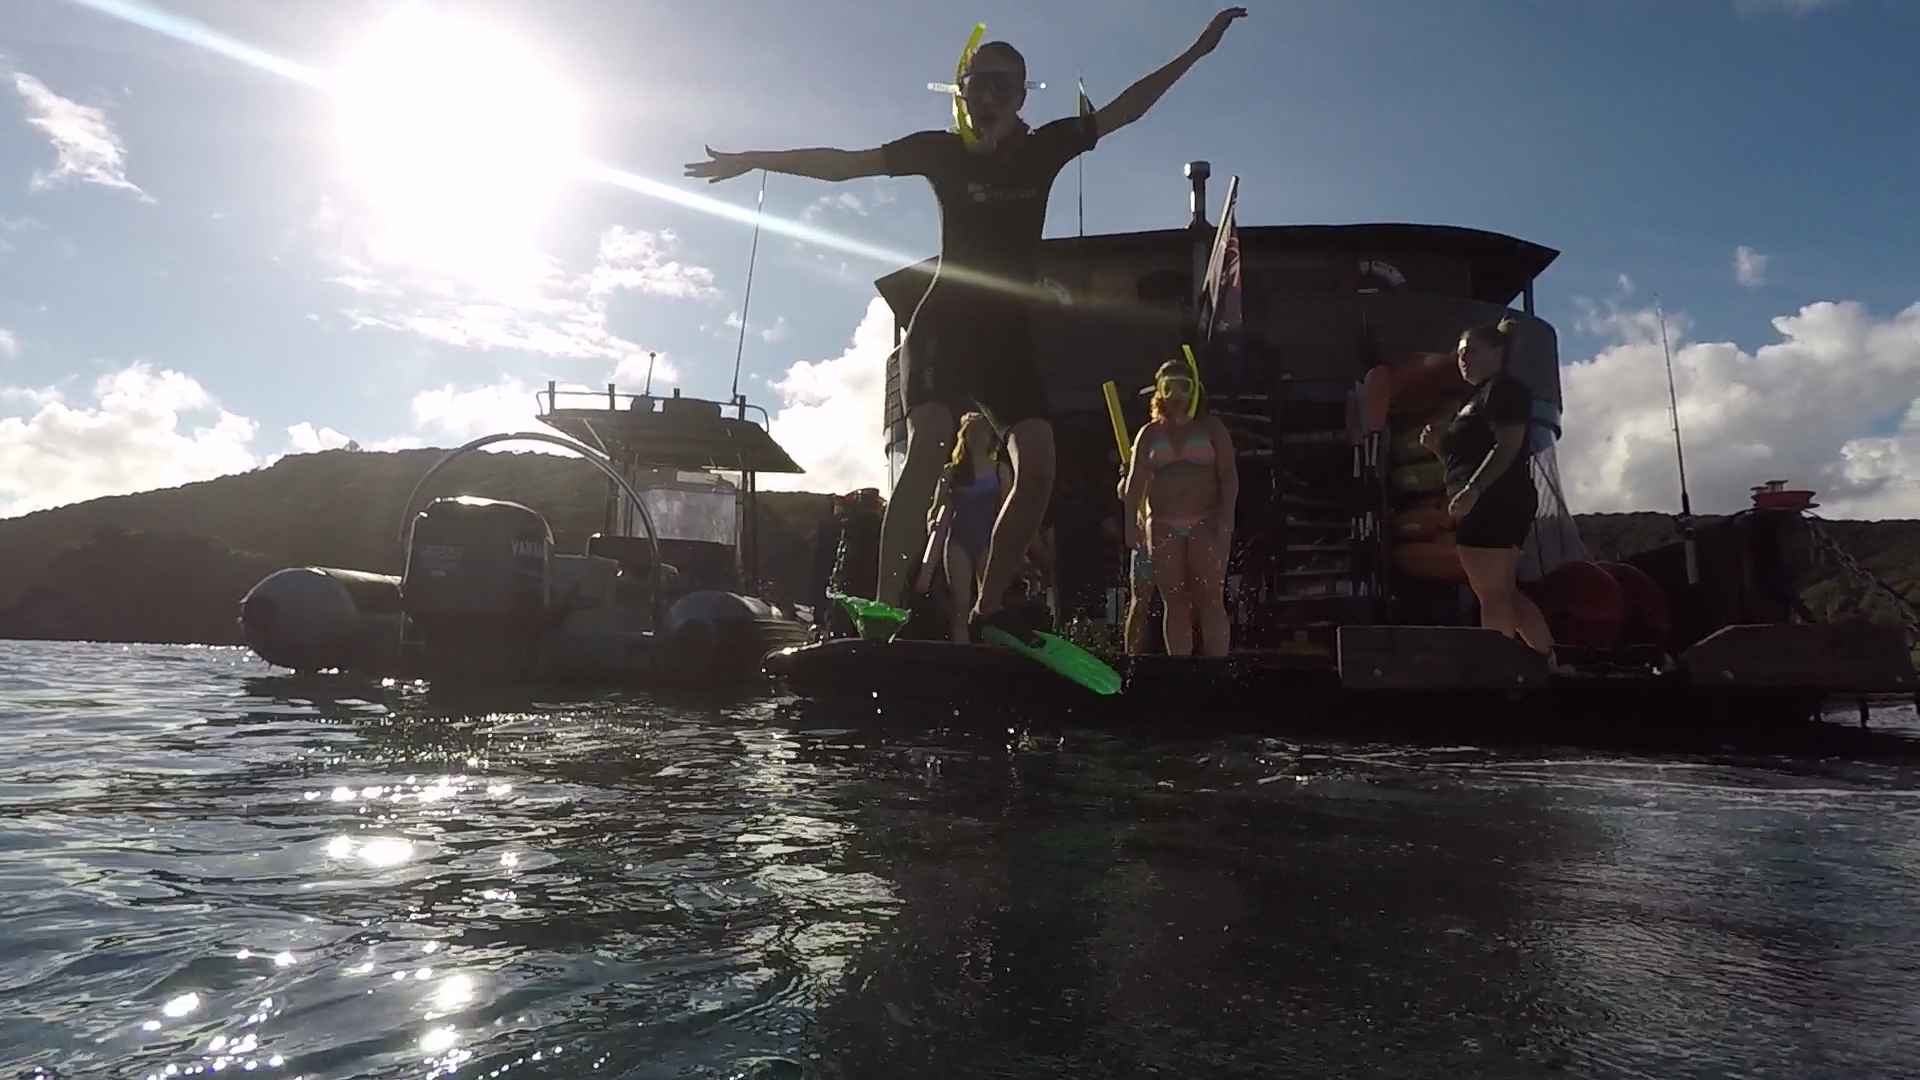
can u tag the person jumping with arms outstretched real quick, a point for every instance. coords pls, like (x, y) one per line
(969, 341)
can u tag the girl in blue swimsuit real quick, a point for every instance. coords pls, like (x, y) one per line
(973, 487)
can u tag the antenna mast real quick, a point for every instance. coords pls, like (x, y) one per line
(746, 302)
(1673, 406)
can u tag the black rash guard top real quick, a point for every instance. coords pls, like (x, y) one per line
(1501, 401)
(993, 205)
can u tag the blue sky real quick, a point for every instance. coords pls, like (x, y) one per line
(198, 271)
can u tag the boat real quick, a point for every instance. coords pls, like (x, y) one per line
(1344, 589)
(665, 595)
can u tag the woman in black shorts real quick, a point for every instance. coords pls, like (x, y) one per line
(1484, 448)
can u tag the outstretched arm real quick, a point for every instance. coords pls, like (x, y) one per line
(1134, 102)
(819, 163)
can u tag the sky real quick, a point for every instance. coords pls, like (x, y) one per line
(231, 231)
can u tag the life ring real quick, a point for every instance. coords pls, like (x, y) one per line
(1423, 478)
(1432, 560)
(1425, 383)
(1424, 520)
(1376, 397)
(1406, 446)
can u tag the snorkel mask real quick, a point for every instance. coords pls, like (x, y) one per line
(1193, 372)
(962, 120)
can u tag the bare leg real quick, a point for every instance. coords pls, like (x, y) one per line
(1030, 445)
(1206, 573)
(1139, 603)
(903, 533)
(1136, 633)
(1492, 572)
(1531, 622)
(959, 566)
(1170, 575)
(1482, 566)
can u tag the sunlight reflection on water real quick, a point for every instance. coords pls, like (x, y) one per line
(321, 878)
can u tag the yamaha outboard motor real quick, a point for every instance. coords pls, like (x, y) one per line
(476, 586)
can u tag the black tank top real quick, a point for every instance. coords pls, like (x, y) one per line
(1498, 402)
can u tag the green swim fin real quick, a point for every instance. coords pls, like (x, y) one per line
(1063, 657)
(874, 619)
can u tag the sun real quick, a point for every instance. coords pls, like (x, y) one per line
(456, 138)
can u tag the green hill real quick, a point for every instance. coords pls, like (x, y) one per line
(125, 567)
(171, 565)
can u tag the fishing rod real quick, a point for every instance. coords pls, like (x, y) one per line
(1679, 453)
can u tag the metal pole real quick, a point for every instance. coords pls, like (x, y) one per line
(746, 303)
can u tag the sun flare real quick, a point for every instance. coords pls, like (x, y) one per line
(458, 141)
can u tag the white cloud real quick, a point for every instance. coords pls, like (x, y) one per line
(830, 413)
(140, 432)
(836, 201)
(636, 259)
(33, 397)
(1798, 409)
(11, 225)
(1633, 325)
(307, 439)
(770, 334)
(9, 345)
(85, 145)
(398, 442)
(634, 373)
(1750, 267)
(524, 301)
(457, 415)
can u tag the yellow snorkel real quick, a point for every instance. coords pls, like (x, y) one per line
(1119, 420)
(1193, 369)
(963, 122)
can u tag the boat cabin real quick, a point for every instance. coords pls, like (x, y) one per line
(695, 468)
(1321, 481)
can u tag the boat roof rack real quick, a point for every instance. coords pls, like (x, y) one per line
(1501, 266)
(665, 432)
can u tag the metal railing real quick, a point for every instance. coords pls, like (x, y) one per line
(546, 402)
(656, 579)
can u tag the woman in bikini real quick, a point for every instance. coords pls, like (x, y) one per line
(973, 487)
(1183, 467)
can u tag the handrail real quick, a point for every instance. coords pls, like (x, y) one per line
(548, 401)
(597, 460)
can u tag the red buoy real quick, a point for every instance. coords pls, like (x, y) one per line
(1584, 605)
(1649, 617)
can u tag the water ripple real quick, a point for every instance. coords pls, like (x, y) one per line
(206, 868)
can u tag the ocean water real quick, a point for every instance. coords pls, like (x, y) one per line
(210, 867)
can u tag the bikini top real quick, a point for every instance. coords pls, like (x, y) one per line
(1196, 448)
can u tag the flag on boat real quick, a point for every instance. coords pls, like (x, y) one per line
(1218, 312)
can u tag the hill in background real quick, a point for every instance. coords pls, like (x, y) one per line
(171, 565)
